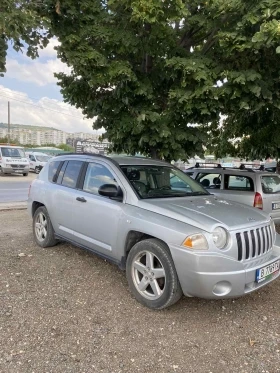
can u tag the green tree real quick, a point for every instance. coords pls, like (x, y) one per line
(23, 27)
(158, 75)
(65, 147)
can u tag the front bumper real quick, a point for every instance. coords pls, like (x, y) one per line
(212, 276)
(11, 170)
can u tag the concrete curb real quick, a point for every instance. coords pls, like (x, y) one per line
(13, 206)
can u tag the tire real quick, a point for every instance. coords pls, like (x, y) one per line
(37, 171)
(42, 228)
(159, 286)
(25, 174)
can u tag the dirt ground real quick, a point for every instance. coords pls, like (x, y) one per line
(65, 310)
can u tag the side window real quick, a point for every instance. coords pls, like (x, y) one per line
(209, 180)
(71, 173)
(61, 173)
(96, 176)
(32, 158)
(236, 182)
(53, 167)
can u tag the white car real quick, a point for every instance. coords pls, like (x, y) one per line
(37, 161)
(13, 160)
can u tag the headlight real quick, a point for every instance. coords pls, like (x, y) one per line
(196, 242)
(220, 237)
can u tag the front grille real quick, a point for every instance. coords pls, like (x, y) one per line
(17, 165)
(254, 243)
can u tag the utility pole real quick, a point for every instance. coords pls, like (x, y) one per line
(9, 122)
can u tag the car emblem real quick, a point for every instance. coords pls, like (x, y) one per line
(251, 219)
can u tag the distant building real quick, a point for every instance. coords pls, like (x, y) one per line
(42, 136)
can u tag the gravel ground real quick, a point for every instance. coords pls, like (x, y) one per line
(65, 310)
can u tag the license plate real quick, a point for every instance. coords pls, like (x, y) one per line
(268, 271)
(275, 205)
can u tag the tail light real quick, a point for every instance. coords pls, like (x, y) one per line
(258, 201)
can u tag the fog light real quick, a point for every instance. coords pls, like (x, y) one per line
(222, 288)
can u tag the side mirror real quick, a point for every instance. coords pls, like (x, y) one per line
(111, 191)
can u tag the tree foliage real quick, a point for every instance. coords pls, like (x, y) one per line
(159, 75)
(23, 27)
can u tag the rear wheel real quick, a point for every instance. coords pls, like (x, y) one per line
(151, 274)
(43, 229)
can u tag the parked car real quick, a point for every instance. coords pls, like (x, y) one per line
(13, 160)
(252, 187)
(164, 228)
(37, 161)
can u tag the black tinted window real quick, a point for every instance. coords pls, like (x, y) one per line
(53, 167)
(71, 173)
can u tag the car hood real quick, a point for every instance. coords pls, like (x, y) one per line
(206, 212)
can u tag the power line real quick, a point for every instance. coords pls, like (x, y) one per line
(40, 107)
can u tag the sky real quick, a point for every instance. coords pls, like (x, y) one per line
(34, 95)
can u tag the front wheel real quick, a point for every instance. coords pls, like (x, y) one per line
(25, 174)
(151, 274)
(42, 228)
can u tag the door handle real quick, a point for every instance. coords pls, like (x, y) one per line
(81, 199)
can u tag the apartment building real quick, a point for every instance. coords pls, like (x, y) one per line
(42, 137)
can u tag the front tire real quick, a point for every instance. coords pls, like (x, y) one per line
(25, 174)
(151, 274)
(43, 229)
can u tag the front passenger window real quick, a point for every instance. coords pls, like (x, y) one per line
(96, 176)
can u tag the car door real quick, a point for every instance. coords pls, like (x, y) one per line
(239, 188)
(32, 162)
(96, 218)
(64, 177)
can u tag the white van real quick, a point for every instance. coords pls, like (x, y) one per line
(13, 160)
(37, 161)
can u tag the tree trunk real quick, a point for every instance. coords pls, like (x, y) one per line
(155, 153)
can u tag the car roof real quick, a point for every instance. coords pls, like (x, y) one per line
(139, 161)
(121, 160)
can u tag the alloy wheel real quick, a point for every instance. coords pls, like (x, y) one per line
(148, 275)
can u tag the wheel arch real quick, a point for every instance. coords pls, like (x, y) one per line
(35, 206)
(132, 238)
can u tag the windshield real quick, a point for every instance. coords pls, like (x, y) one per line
(270, 184)
(161, 182)
(42, 158)
(12, 152)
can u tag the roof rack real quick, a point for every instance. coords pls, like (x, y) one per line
(206, 165)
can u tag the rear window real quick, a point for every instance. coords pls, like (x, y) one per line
(53, 167)
(270, 184)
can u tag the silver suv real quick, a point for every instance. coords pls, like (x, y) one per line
(252, 187)
(163, 227)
